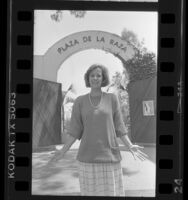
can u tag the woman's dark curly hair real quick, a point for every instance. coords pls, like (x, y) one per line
(105, 75)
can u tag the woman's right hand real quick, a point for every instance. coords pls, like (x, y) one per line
(61, 153)
(56, 157)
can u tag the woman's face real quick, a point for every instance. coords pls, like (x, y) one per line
(95, 78)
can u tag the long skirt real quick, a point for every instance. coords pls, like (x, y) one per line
(101, 179)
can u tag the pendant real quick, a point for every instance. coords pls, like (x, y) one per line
(96, 111)
(95, 107)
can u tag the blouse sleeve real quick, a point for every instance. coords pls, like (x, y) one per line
(76, 125)
(119, 126)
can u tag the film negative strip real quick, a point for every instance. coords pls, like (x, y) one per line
(34, 131)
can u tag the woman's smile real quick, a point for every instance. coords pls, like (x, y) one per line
(95, 78)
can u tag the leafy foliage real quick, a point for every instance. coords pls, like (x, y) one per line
(143, 64)
(58, 15)
(119, 87)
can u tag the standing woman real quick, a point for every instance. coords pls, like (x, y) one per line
(96, 120)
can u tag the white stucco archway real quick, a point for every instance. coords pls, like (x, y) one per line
(47, 65)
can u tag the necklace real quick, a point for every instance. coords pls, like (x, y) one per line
(92, 103)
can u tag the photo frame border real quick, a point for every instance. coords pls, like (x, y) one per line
(170, 105)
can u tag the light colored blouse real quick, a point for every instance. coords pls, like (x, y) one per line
(98, 129)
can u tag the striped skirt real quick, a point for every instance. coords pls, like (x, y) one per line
(101, 179)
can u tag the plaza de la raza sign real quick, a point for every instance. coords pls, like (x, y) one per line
(47, 65)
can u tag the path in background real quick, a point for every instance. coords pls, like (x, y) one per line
(62, 177)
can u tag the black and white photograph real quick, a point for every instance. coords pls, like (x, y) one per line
(94, 103)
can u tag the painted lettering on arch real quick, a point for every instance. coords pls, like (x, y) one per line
(104, 41)
(118, 45)
(68, 45)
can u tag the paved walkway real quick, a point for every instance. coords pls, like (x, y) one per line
(62, 177)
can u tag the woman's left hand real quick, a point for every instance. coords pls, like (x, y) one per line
(137, 153)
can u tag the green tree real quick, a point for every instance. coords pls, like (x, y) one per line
(119, 87)
(143, 64)
(58, 15)
(116, 79)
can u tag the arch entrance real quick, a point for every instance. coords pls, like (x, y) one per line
(47, 66)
